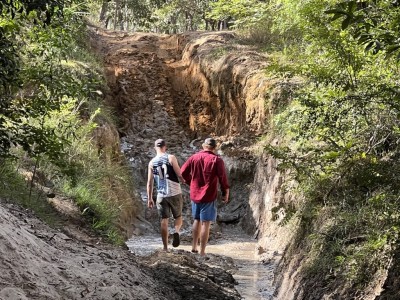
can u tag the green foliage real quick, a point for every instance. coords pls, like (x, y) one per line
(352, 248)
(260, 21)
(178, 15)
(340, 142)
(168, 16)
(244, 13)
(375, 24)
(15, 188)
(90, 180)
(49, 107)
(87, 194)
(32, 56)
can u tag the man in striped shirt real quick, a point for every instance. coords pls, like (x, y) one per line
(165, 172)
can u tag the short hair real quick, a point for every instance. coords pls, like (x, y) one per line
(159, 143)
(210, 142)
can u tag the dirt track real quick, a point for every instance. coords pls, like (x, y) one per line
(42, 263)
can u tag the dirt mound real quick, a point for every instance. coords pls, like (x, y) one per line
(180, 269)
(38, 262)
(41, 263)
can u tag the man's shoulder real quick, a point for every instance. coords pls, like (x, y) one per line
(208, 154)
(169, 155)
(197, 155)
(154, 159)
(171, 158)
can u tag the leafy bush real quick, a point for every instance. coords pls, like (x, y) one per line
(50, 107)
(341, 143)
(15, 187)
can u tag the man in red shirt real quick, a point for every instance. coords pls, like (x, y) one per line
(203, 171)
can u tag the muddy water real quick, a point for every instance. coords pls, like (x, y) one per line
(254, 278)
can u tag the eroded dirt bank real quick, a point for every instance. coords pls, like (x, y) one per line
(186, 87)
(183, 88)
(38, 262)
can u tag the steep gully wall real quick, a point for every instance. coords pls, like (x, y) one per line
(232, 99)
(186, 87)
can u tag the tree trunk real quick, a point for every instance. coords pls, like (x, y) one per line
(191, 22)
(118, 21)
(103, 12)
(173, 24)
(121, 17)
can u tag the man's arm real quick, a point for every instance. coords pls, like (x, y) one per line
(186, 172)
(223, 180)
(225, 196)
(175, 165)
(150, 182)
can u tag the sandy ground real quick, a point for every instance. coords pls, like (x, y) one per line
(41, 263)
(38, 262)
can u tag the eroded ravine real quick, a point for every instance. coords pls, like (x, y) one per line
(151, 102)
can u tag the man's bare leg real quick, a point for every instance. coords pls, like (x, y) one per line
(195, 234)
(164, 233)
(178, 224)
(204, 234)
(176, 239)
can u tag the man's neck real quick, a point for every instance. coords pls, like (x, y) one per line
(160, 152)
(209, 150)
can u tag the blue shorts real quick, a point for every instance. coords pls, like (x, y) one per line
(204, 211)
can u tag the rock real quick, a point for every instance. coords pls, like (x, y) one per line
(225, 145)
(11, 293)
(186, 273)
(260, 250)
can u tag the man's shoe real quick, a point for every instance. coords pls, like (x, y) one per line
(176, 241)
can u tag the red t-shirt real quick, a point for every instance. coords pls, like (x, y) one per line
(202, 171)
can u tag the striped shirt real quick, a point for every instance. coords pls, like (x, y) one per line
(167, 182)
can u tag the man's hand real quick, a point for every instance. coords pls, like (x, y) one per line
(150, 203)
(225, 196)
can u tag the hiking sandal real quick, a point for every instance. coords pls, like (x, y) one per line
(176, 241)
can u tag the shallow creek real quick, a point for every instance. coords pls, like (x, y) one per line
(254, 278)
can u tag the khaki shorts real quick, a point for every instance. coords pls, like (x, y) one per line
(168, 205)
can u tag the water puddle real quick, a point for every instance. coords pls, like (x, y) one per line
(254, 278)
